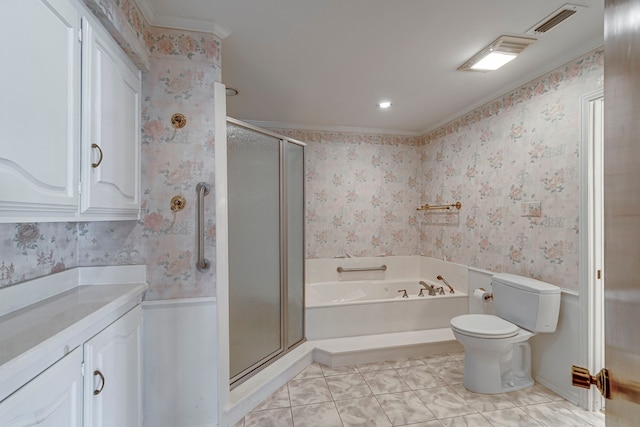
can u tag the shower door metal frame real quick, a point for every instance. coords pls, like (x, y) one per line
(285, 346)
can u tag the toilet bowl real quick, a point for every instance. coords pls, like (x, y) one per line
(497, 351)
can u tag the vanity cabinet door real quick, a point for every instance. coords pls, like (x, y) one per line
(52, 399)
(112, 380)
(111, 129)
(39, 110)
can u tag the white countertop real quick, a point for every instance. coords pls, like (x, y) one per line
(45, 329)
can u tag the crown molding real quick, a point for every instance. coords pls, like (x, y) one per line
(348, 129)
(188, 24)
(146, 9)
(178, 23)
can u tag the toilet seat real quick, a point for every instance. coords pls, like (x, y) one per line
(484, 326)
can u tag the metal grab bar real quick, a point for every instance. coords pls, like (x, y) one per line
(202, 189)
(427, 207)
(348, 270)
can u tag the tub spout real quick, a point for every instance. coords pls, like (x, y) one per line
(430, 288)
(451, 291)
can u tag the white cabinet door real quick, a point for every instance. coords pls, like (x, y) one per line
(112, 381)
(111, 128)
(52, 399)
(39, 109)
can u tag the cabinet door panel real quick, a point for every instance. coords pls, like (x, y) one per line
(115, 353)
(40, 108)
(112, 121)
(52, 399)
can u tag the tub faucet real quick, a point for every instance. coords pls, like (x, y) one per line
(451, 291)
(430, 288)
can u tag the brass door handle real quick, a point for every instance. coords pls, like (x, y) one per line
(99, 390)
(96, 146)
(581, 377)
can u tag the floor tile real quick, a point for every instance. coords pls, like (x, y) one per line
(419, 377)
(312, 371)
(239, 423)
(473, 420)
(451, 372)
(532, 395)
(443, 402)
(434, 423)
(338, 370)
(437, 359)
(304, 392)
(362, 412)
(370, 367)
(510, 418)
(457, 356)
(316, 415)
(596, 419)
(269, 418)
(385, 382)
(348, 386)
(405, 363)
(279, 399)
(553, 414)
(404, 408)
(483, 402)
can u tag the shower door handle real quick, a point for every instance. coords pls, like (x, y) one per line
(202, 189)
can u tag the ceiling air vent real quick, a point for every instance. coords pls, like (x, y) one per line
(551, 21)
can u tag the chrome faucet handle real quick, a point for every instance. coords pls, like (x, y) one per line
(404, 295)
(420, 294)
(441, 290)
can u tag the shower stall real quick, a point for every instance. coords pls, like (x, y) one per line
(265, 181)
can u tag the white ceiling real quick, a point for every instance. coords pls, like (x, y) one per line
(327, 63)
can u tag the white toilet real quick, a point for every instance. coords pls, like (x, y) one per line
(497, 355)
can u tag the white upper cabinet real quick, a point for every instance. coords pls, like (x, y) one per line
(70, 117)
(39, 109)
(111, 128)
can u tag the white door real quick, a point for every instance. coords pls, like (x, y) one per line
(52, 399)
(622, 210)
(111, 127)
(40, 107)
(112, 387)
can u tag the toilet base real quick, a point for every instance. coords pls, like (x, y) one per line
(491, 372)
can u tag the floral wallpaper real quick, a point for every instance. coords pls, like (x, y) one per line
(182, 68)
(516, 155)
(361, 194)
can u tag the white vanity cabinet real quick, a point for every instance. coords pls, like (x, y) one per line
(111, 87)
(112, 374)
(52, 399)
(70, 114)
(71, 349)
(39, 108)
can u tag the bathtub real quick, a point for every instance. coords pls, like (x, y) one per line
(367, 303)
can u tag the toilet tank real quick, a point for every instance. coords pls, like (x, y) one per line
(529, 303)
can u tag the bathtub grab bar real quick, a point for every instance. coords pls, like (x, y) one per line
(202, 189)
(348, 270)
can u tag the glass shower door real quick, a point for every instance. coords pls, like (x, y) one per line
(255, 321)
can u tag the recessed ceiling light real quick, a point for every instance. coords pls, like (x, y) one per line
(384, 104)
(231, 91)
(500, 52)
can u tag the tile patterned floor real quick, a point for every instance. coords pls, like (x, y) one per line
(419, 392)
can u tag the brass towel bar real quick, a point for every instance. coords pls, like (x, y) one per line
(427, 207)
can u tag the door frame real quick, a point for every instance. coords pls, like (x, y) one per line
(591, 242)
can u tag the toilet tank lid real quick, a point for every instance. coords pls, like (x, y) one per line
(525, 283)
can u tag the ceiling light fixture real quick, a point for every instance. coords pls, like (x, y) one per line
(384, 104)
(500, 52)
